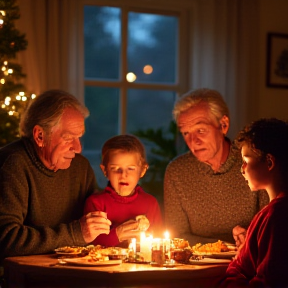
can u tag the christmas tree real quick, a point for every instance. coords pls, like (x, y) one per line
(13, 100)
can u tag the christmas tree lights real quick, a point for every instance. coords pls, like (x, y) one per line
(13, 95)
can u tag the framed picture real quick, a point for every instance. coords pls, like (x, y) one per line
(277, 60)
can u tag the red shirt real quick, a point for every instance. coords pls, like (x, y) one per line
(263, 260)
(120, 209)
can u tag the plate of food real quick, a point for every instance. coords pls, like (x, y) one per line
(218, 250)
(88, 261)
(72, 251)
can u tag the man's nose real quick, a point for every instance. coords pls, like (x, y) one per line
(77, 146)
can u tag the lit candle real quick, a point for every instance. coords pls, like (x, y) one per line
(166, 244)
(145, 246)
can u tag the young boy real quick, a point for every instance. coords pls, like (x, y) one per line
(124, 163)
(262, 262)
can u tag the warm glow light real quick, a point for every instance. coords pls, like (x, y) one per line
(21, 93)
(10, 113)
(166, 235)
(2, 12)
(3, 106)
(2, 81)
(131, 77)
(24, 98)
(5, 62)
(33, 96)
(148, 69)
(18, 97)
(3, 68)
(10, 71)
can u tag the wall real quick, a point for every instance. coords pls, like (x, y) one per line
(273, 102)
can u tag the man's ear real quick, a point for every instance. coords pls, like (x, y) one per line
(225, 124)
(144, 169)
(38, 135)
(103, 169)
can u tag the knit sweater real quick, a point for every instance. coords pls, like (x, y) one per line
(262, 262)
(203, 206)
(39, 208)
(120, 209)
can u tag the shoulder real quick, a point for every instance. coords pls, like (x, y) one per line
(12, 154)
(179, 161)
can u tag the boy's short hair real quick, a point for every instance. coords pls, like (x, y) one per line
(267, 136)
(124, 143)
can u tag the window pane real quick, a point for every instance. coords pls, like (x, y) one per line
(103, 104)
(102, 40)
(152, 47)
(149, 109)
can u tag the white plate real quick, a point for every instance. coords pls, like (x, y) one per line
(209, 261)
(83, 261)
(220, 255)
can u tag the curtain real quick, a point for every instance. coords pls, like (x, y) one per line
(224, 48)
(50, 61)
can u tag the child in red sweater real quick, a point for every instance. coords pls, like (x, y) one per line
(124, 163)
(262, 262)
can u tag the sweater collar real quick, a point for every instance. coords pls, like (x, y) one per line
(122, 199)
(29, 146)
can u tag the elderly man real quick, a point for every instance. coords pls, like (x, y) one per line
(205, 195)
(44, 181)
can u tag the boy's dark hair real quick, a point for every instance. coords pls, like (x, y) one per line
(267, 136)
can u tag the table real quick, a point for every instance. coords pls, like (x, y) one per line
(46, 271)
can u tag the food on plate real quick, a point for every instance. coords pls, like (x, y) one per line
(94, 253)
(72, 250)
(143, 222)
(210, 248)
(179, 243)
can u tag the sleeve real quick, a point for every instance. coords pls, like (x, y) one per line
(175, 218)
(93, 204)
(271, 249)
(17, 237)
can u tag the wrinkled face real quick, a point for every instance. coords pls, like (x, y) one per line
(64, 141)
(254, 169)
(202, 132)
(124, 171)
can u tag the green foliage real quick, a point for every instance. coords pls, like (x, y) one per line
(165, 145)
(11, 42)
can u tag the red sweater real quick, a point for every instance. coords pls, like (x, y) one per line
(120, 209)
(263, 261)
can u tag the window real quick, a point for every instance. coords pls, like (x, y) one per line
(135, 65)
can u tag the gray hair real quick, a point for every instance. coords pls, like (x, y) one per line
(46, 111)
(192, 98)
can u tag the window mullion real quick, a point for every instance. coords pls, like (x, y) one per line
(123, 72)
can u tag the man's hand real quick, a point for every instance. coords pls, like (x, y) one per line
(128, 230)
(239, 235)
(94, 224)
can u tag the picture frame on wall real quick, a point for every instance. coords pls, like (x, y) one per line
(277, 60)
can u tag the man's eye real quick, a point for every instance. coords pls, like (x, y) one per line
(201, 131)
(131, 168)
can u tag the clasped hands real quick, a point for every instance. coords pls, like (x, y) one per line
(96, 223)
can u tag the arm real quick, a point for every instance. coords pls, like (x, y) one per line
(35, 217)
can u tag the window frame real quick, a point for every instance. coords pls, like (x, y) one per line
(182, 10)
